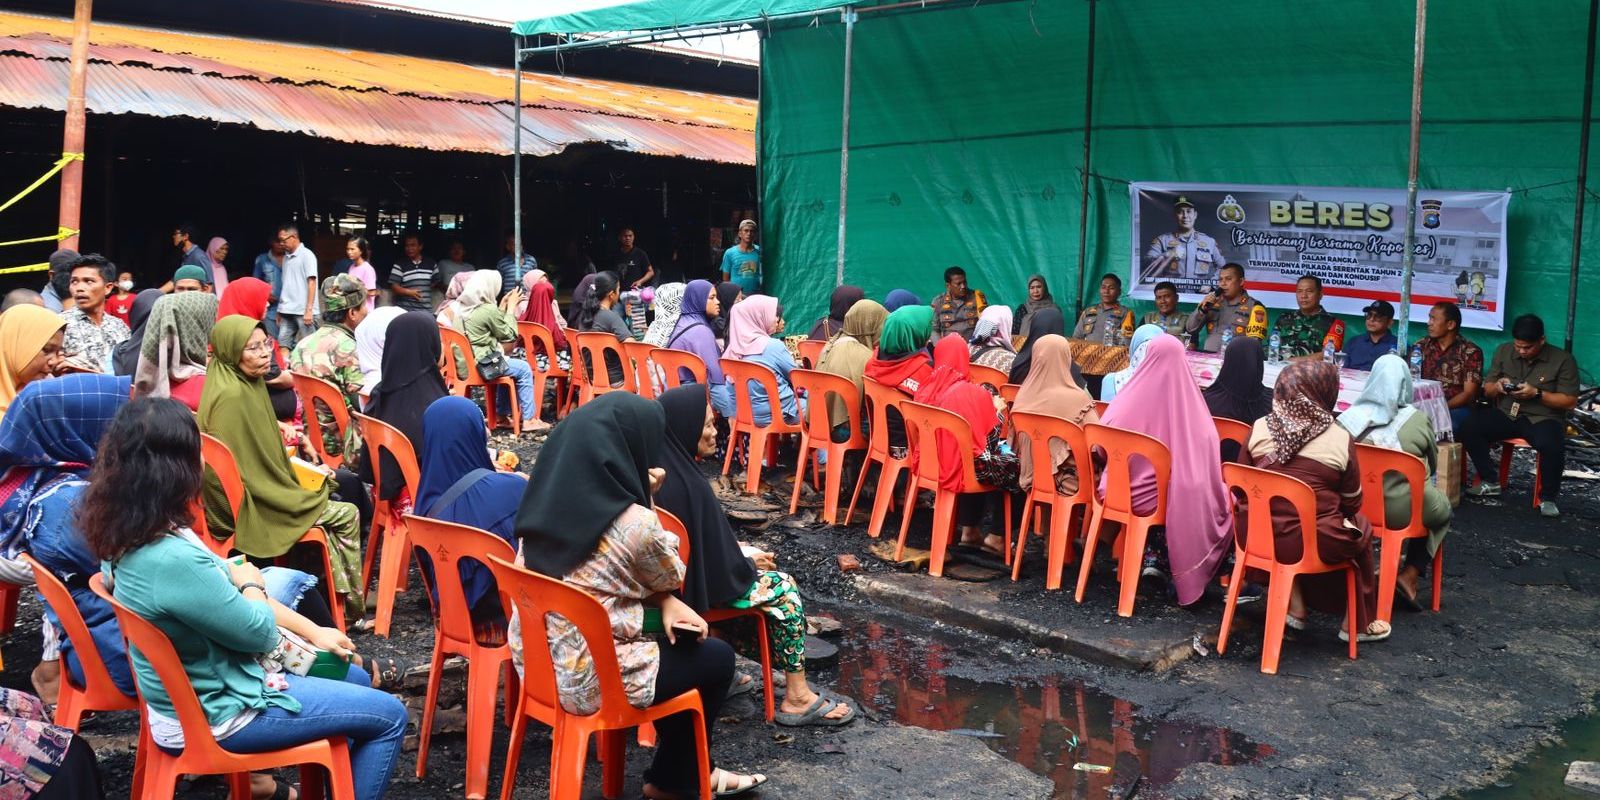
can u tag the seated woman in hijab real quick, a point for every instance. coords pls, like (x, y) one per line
(1137, 347)
(1038, 299)
(846, 355)
(449, 315)
(276, 510)
(531, 279)
(371, 336)
(460, 484)
(1299, 439)
(30, 348)
(723, 573)
(897, 299)
(729, 294)
(1162, 402)
(598, 314)
(991, 339)
(838, 305)
(950, 387)
(1050, 389)
(752, 336)
(605, 458)
(1237, 392)
(696, 332)
(1384, 416)
(411, 383)
(248, 297)
(172, 359)
(125, 356)
(1045, 322)
(668, 305)
(902, 362)
(490, 329)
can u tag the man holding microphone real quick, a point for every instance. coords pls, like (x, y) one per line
(1229, 308)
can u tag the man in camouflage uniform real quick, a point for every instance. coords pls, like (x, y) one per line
(1304, 331)
(1228, 309)
(329, 353)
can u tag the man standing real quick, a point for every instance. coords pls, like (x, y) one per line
(511, 268)
(1186, 253)
(91, 333)
(741, 263)
(1227, 309)
(957, 309)
(1457, 364)
(297, 303)
(191, 253)
(1531, 386)
(1167, 314)
(329, 353)
(412, 278)
(1107, 318)
(58, 289)
(1305, 331)
(455, 261)
(1362, 351)
(632, 264)
(269, 268)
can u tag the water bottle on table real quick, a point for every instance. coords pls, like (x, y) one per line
(1328, 351)
(1416, 361)
(1227, 336)
(1275, 351)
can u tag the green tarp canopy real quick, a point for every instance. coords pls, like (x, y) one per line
(601, 16)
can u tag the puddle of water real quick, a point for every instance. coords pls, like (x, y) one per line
(1543, 777)
(1048, 726)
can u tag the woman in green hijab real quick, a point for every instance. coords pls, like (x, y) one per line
(276, 510)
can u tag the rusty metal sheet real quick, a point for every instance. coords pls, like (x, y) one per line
(362, 97)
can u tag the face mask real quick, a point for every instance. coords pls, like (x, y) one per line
(126, 286)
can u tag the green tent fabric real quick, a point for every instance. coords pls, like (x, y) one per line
(966, 134)
(598, 16)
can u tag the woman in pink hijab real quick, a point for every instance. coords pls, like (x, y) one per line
(1161, 401)
(217, 251)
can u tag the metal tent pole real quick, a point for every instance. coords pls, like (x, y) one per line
(516, 157)
(1083, 210)
(1583, 176)
(1408, 260)
(844, 139)
(71, 208)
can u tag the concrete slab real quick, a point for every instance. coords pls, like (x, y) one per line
(1584, 776)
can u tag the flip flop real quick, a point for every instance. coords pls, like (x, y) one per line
(1407, 600)
(1364, 637)
(739, 687)
(814, 714)
(721, 788)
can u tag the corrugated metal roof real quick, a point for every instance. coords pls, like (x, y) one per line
(362, 97)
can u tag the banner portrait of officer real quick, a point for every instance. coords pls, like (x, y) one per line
(1186, 255)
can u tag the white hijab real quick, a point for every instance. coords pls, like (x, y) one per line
(370, 335)
(1384, 405)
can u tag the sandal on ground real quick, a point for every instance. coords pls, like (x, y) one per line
(729, 784)
(994, 545)
(742, 684)
(360, 626)
(389, 673)
(816, 714)
(1367, 635)
(1294, 622)
(1407, 600)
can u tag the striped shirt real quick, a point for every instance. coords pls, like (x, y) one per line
(417, 276)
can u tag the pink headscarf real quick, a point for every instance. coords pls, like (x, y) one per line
(750, 326)
(1161, 401)
(219, 273)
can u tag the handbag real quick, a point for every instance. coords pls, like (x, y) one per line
(493, 367)
(296, 656)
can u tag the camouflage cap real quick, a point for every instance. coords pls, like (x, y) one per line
(341, 292)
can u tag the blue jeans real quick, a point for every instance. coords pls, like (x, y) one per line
(1458, 420)
(374, 721)
(292, 328)
(519, 371)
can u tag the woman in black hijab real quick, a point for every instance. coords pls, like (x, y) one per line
(1237, 392)
(838, 305)
(408, 383)
(586, 519)
(728, 293)
(125, 356)
(720, 574)
(1042, 322)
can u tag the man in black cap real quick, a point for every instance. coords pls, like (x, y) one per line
(1361, 351)
(59, 287)
(1186, 254)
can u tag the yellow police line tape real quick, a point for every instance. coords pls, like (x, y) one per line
(61, 233)
(60, 164)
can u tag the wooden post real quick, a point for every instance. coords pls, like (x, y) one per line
(71, 213)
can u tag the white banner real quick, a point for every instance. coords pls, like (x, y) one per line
(1352, 239)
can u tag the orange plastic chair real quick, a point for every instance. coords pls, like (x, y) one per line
(987, 376)
(1008, 392)
(1232, 430)
(382, 437)
(313, 390)
(1376, 465)
(1259, 551)
(201, 754)
(811, 351)
(1100, 407)
(1040, 430)
(676, 527)
(816, 435)
(1508, 449)
(97, 693)
(592, 348)
(447, 545)
(536, 339)
(880, 399)
(578, 377)
(673, 362)
(638, 353)
(923, 424)
(535, 597)
(757, 437)
(1120, 447)
(456, 342)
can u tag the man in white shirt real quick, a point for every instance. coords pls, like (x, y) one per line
(297, 303)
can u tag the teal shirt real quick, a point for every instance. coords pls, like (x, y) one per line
(184, 590)
(743, 268)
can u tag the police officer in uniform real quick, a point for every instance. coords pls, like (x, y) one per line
(1187, 254)
(1167, 315)
(1229, 308)
(1108, 318)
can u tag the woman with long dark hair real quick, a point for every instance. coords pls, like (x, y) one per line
(597, 314)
